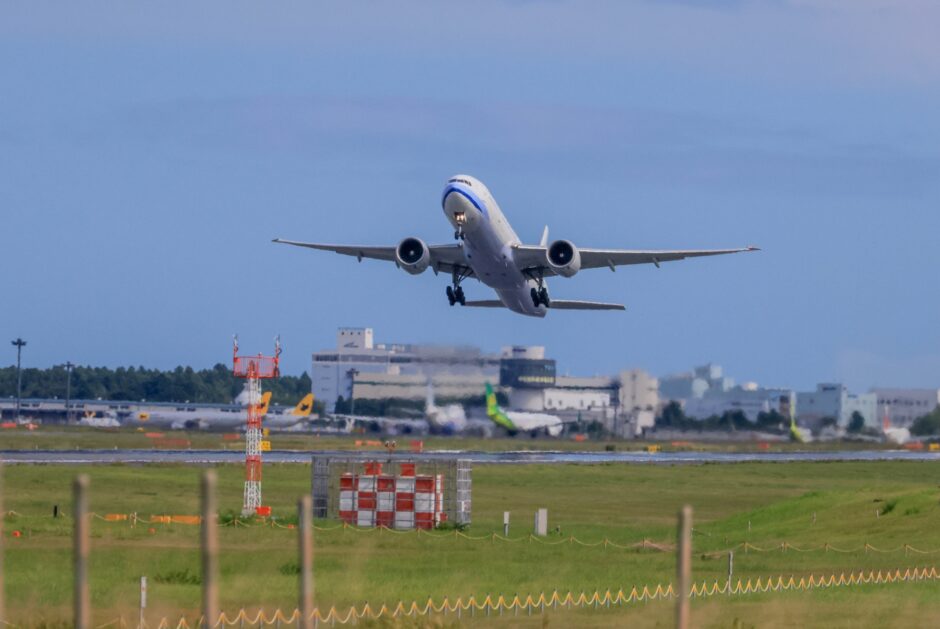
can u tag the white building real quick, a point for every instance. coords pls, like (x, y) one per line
(748, 399)
(835, 401)
(694, 384)
(356, 353)
(903, 406)
(639, 402)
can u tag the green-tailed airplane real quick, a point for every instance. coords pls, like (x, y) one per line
(519, 421)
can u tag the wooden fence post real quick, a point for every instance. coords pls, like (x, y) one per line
(684, 567)
(210, 550)
(80, 544)
(305, 540)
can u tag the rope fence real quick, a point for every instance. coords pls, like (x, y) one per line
(529, 604)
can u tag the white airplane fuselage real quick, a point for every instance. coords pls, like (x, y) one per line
(488, 241)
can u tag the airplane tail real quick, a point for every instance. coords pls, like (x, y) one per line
(492, 407)
(304, 406)
(265, 402)
(795, 433)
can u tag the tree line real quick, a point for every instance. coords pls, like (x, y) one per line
(183, 384)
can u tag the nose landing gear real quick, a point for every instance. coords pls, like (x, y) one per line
(461, 219)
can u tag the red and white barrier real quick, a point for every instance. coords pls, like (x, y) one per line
(402, 502)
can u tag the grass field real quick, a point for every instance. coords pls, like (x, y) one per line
(885, 504)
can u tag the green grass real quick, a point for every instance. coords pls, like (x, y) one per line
(761, 503)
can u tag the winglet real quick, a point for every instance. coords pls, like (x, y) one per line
(544, 241)
(753, 248)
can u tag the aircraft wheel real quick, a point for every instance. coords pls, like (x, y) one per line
(543, 297)
(450, 296)
(459, 296)
(535, 297)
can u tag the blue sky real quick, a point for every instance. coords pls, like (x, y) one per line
(150, 153)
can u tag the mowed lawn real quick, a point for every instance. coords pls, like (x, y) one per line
(884, 504)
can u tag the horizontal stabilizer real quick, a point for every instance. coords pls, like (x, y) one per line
(485, 303)
(557, 304)
(568, 304)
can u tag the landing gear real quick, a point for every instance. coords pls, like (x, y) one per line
(456, 296)
(540, 297)
(455, 291)
(540, 294)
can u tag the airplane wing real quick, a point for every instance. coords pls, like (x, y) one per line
(532, 257)
(445, 258)
(557, 304)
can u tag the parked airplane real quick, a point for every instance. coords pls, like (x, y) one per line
(489, 250)
(449, 419)
(224, 419)
(519, 421)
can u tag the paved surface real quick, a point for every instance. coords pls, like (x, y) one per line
(82, 457)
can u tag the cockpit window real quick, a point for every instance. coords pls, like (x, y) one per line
(463, 181)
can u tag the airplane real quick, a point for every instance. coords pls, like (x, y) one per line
(489, 250)
(519, 421)
(449, 419)
(215, 419)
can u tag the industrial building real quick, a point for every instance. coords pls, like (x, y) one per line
(356, 354)
(903, 406)
(749, 399)
(833, 400)
(360, 368)
(694, 384)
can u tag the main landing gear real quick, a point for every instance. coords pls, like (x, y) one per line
(455, 291)
(540, 293)
(455, 295)
(540, 296)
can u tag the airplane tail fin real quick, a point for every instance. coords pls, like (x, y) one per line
(795, 433)
(491, 406)
(265, 402)
(429, 397)
(304, 406)
(544, 241)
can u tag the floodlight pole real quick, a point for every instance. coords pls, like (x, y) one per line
(20, 344)
(68, 392)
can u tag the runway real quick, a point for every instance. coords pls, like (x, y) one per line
(105, 457)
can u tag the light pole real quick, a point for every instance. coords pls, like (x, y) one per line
(20, 344)
(68, 391)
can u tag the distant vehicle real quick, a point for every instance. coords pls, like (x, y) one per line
(489, 250)
(520, 421)
(224, 419)
(449, 419)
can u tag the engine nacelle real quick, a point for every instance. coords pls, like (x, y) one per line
(563, 258)
(413, 255)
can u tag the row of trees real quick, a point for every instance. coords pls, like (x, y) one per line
(674, 418)
(214, 385)
(928, 424)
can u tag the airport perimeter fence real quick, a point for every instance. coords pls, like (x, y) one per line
(134, 519)
(500, 605)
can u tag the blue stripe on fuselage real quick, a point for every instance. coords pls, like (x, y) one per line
(474, 199)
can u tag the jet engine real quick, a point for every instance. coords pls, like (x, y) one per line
(563, 258)
(413, 255)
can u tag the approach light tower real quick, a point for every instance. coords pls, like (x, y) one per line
(254, 369)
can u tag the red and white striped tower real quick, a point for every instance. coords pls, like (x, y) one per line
(254, 368)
